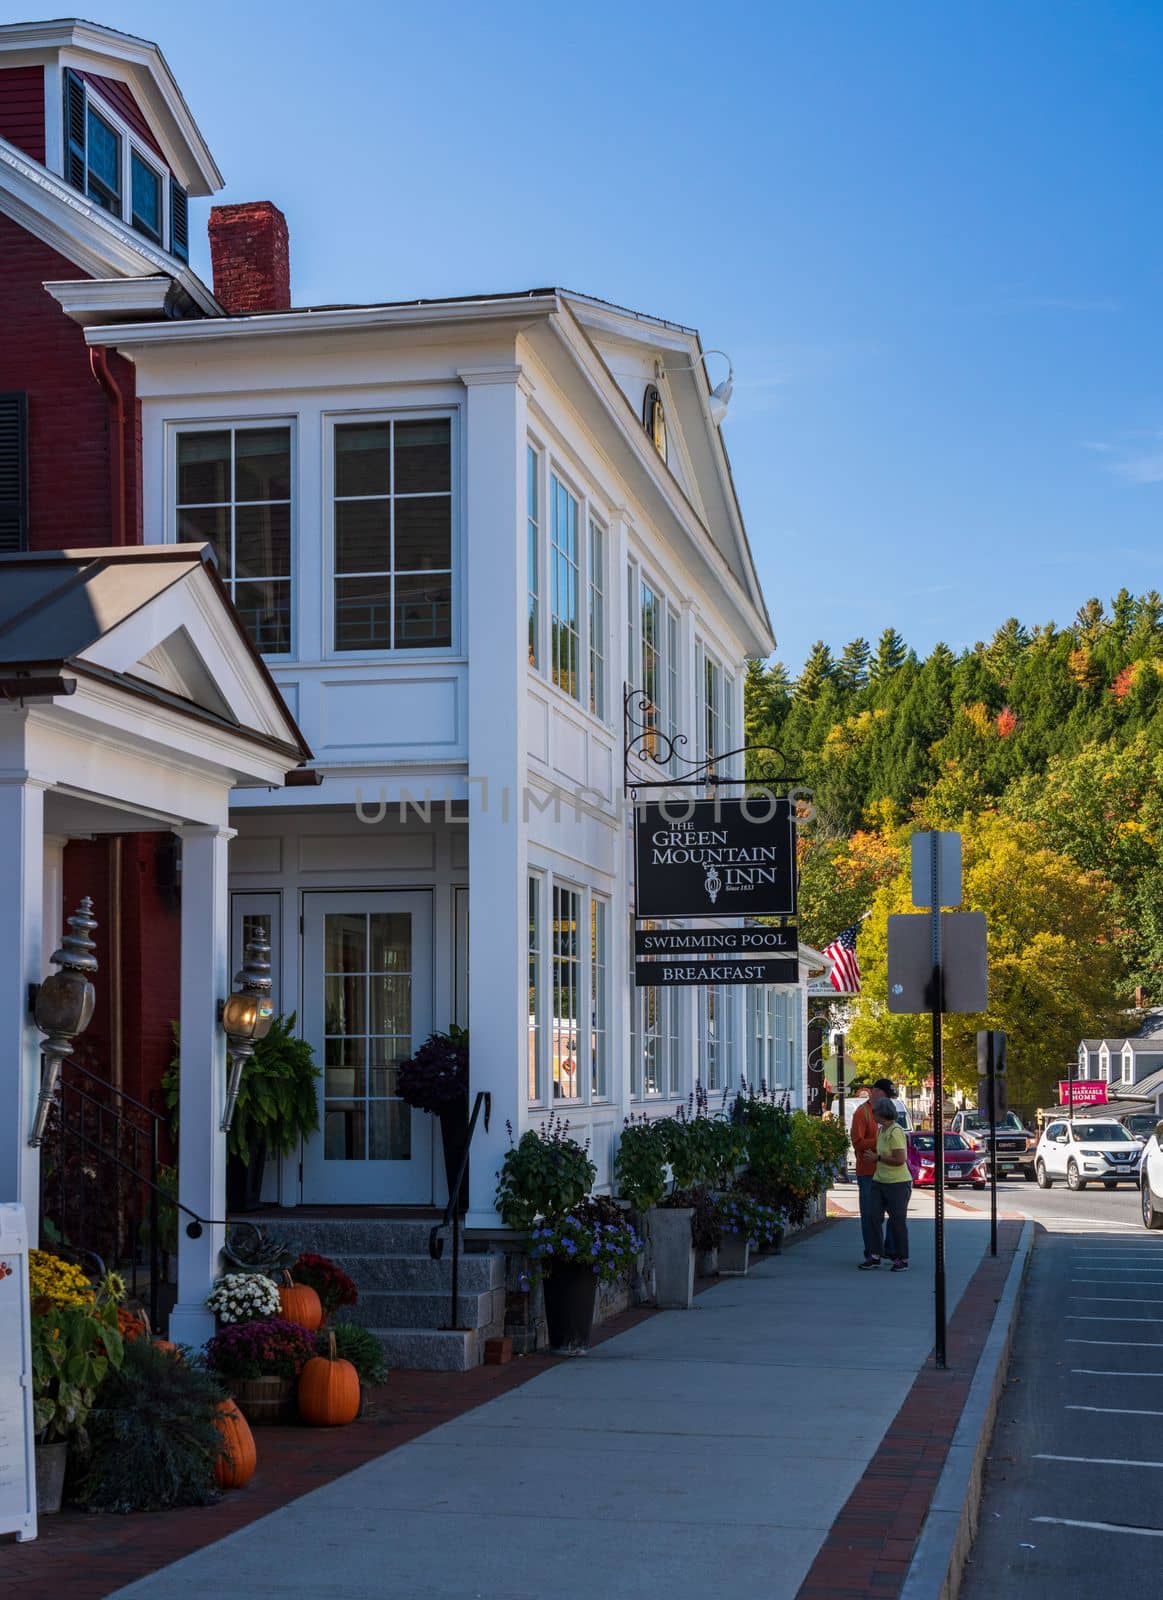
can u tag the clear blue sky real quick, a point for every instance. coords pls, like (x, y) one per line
(929, 235)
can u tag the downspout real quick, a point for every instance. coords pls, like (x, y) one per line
(116, 998)
(99, 363)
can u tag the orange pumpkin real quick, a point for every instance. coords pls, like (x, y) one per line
(328, 1390)
(167, 1345)
(299, 1303)
(235, 1466)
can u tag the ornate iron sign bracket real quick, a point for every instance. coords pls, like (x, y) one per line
(644, 742)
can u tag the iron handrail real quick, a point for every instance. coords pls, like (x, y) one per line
(95, 1077)
(451, 1215)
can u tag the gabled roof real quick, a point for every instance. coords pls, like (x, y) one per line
(107, 616)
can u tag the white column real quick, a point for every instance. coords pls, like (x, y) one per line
(202, 1148)
(495, 609)
(21, 940)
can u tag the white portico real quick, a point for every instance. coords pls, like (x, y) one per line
(132, 701)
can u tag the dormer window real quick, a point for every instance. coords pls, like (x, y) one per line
(110, 164)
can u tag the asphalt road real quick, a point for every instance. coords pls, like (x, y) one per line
(1073, 1502)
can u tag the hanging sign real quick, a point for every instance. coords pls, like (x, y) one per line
(714, 941)
(720, 858)
(17, 1454)
(1082, 1092)
(730, 969)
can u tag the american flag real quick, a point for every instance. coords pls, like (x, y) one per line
(845, 974)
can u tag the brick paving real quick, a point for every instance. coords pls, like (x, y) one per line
(866, 1555)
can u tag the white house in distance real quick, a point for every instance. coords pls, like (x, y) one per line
(471, 544)
(457, 531)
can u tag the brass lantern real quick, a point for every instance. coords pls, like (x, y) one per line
(63, 1007)
(246, 1017)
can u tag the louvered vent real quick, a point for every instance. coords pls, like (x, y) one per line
(75, 130)
(179, 222)
(13, 472)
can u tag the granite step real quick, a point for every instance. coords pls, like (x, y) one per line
(430, 1349)
(385, 1270)
(414, 1308)
(336, 1236)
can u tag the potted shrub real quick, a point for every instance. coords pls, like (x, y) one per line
(76, 1343)
(277, 1108)
(154, 1436)
(574, 1253)
(260, 1362)
(545, 1174)
(330, 1283)
(640, 1177)
(435, 1080)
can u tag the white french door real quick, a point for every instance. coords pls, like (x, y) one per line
(367, 1003)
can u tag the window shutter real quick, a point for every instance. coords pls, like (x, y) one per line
(13, 472)
(179, 222)
(75, 131)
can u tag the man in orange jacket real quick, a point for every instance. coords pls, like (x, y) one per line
(864, 1131)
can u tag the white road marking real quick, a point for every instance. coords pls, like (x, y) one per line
(1099, 1461)
(1116, 1411)
(1104, 1372)
(1112, 1300)
(1076, 1316)
(1126, 1344)
(1109, 1281)
(1101, 1527)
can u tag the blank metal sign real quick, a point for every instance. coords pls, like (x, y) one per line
(964, 971)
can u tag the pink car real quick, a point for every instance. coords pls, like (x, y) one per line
(965, 1160)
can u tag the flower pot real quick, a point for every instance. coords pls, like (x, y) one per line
(570, 1292)
(674, 1257)
(244, 1180)
(735, 1254)
(51, 1461)
(264, 1401)
(707, 1263)
(453, 1134)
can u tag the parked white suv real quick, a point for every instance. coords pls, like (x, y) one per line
(1151, 1181)
(1087, 1151)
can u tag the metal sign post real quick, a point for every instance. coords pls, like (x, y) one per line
(840, 1088)
(991, 1061)
(938, 1095)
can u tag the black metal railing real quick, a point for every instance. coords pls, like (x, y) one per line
(100, 1188)
(452, 1211)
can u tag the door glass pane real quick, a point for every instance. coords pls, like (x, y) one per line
(368, 1022)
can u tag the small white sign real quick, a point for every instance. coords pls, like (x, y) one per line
(948, 869)
(17, 1441)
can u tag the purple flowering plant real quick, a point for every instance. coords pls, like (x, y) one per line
(436, 1077)
(584, 1239)
(267, 1348)
(756, 1221)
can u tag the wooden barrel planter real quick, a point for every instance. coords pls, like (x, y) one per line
(265, 1401)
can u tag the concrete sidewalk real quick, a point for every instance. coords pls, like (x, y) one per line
(701, 1452)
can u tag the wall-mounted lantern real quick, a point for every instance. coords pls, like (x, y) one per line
(62, 1007)
(246, 1018)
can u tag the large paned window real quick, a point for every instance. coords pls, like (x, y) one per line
(653, 634)
(716, 1037)
(650, 612)
(672, 689)
(569, 993)
(567, 963)
(597, 618)
(234, 491)
(103, 176)
(533, 514)
(145, 189)
(655, 1061)
(599, 1000)
(714, 722)
(393, 534)
(536, 1089)
(565, 602)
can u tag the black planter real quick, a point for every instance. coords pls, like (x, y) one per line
(570, 1294)
(453, 1134)
(244, 1180)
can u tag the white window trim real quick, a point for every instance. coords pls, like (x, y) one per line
(176, 426)
(1128, 1067)
(129, 140)
(673, 1030)
(333, 419)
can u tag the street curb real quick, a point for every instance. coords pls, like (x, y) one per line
(938, 1562)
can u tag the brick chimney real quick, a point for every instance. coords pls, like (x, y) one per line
(251, 257)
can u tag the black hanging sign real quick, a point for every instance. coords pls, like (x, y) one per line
(715, 858)
(728, 969)
(687, 942)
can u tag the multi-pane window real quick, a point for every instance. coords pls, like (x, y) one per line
(564, 569)
(393, 535)
(597, 618)
(368, 976)
(599, 991)
(234, 491)
(716, 1036)
(104, 163)
(536, 1092)
(655, 1063)
(145, 194)
(565, 1029)
(533, 516)
(650, 643)
(672, 692)
(714, 722)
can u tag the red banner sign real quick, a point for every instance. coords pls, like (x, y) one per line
(1086, 1092)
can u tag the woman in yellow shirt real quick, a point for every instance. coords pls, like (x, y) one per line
(892, 1183)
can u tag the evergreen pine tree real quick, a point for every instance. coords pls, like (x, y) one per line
(852, 668)
(890, 654)
(819, 670)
